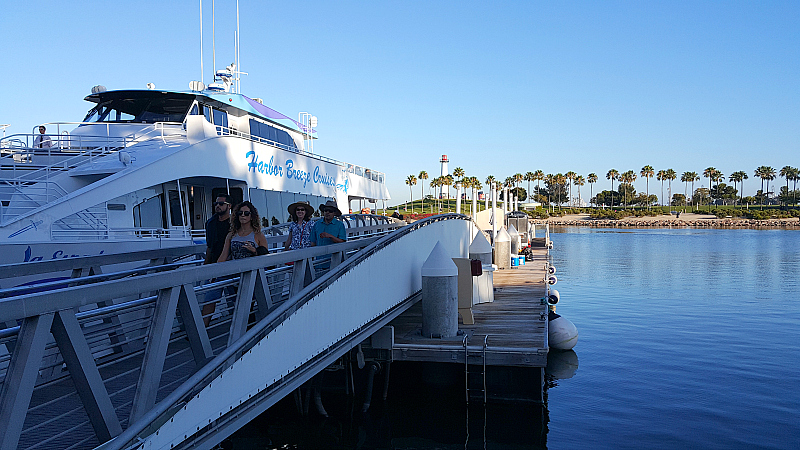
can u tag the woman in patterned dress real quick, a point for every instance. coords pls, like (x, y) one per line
(300, 226)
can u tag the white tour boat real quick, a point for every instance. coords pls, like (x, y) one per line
(142, 170)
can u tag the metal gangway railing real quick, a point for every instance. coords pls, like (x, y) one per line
(26, 170)
(111, 350)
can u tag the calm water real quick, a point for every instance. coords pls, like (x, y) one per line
(688, 339)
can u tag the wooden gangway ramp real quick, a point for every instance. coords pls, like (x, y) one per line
(512, 329)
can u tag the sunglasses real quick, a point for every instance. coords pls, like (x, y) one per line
(328, 210)
(243, 213)
(220, 203)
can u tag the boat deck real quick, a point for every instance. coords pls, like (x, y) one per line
(514, 326)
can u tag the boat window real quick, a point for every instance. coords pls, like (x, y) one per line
(149, 213)
(207, 113)
(220, 118)
(140, 110)
(175, 208)
(271, 133)
(195, 110)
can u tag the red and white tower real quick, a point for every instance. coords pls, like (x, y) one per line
(445, 170)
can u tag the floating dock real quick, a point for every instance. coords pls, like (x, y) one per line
(510, 332)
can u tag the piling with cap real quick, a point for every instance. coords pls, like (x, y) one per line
(514, 235)
(502, 249)
(439, 294)
(481, 249)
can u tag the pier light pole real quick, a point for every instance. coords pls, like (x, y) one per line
(494, 209)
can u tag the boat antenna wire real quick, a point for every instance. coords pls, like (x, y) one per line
(213, 39)
(238, 66)
(201, 42)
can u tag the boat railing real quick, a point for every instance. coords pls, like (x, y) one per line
(18, 197)
(91, 224)
(373, 175)
(26, 170)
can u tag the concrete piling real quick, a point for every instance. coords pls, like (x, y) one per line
(502, 249)
(439, 294)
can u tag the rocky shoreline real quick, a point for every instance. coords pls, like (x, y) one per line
(655, 222)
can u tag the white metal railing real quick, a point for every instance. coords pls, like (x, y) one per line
(373, 175)
(26, 170)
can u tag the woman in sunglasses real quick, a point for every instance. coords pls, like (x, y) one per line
(245, 238)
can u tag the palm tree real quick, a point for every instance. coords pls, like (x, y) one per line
(612, 175)
(769, 174)
(449, 181)
(709, 173)
(739, 177)
(627, 177)
(539, 177)
(579, 181)
(529, 176)
(518, 177)
(570, 176)
(787, 172)
(765, 173)
(560, 180)
(458, 172)
(647, 172)
(662, 176)
(435, 183)
(670, 175)
(693, 177)
(476, 186)
(422, 176)
(592, 179)
(411, 181)
(685, 177)
(489, 183)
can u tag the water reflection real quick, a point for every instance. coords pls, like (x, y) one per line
(425, 409)
(561, 365)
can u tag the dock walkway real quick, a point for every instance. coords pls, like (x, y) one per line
(515, 323)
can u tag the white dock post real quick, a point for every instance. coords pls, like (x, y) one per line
(502, 249)
(439, 294)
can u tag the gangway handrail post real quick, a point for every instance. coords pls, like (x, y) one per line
(188, 388)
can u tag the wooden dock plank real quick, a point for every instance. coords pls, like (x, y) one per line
(515, 324)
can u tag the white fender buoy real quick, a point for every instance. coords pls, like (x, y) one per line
(551, 280)
(554, 297)
(551, 270)
(562, 334)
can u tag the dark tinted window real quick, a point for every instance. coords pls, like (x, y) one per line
(144, 109)
(220, 118)
(207, 113)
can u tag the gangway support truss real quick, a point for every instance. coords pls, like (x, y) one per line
(106, 353)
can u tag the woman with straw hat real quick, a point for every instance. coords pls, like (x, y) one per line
(300, 226)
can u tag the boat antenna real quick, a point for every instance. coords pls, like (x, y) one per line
(238, 65)
(201, 41)
(213, 39)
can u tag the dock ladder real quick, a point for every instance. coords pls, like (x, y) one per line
(481, 372)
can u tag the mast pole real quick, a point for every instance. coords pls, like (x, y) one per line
(201, 41)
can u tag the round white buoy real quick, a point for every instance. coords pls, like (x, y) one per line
(551, 269)
(562, 334)
(554, 297)
(552, 279)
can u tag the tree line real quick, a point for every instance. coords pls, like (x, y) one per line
(558, 187)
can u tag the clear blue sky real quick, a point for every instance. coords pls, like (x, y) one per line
(500, 87)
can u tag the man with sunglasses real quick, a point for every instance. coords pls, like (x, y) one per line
(328, 230)
(217, 228)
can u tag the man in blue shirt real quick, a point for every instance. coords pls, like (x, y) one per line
(329, 230)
